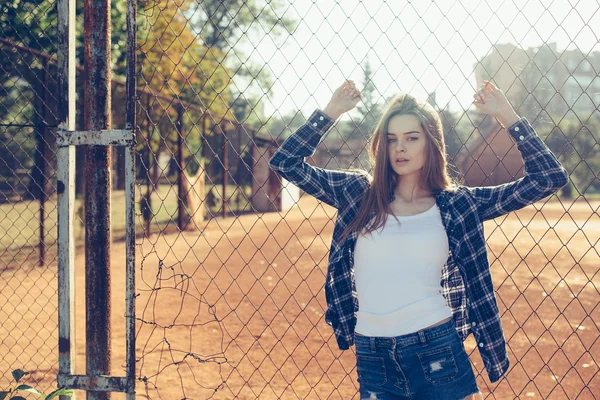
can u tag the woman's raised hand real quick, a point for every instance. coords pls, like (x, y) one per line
(492, 101)
(344, 99)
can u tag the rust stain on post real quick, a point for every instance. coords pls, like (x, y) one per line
(94, 137)
(97, 192)
(96, 383)
(130, 199)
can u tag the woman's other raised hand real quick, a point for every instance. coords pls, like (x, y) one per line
(344, 99)
(492, 101)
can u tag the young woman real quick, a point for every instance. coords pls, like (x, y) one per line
(408, 276)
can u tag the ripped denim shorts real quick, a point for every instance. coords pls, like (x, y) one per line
(430, 364)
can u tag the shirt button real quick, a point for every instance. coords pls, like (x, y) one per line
(480, 344)
(517, 128)
(321, 118)
(314, 124)
(521, 137)
(473, 323)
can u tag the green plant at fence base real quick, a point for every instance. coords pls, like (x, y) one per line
(17, 375)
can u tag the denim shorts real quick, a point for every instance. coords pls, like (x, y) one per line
(430, 364)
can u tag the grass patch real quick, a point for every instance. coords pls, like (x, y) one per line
(20, 221)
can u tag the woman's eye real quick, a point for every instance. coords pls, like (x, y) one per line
(414, 138)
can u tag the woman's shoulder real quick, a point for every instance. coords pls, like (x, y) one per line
(450, 190)
(360, 174)
(450, 194)
(460, 194)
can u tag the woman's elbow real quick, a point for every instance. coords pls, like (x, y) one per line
(562, 178)
(556, 180)
(275, 162)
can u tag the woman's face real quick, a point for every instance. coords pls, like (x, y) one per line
(406, 139)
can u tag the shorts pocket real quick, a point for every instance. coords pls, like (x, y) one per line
(370, 370)
(439, 365)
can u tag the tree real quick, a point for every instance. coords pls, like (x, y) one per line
(368, 109)
(32, 24)
(575, 144)
(283, 127)
(450, 123)
(222, 24)
(181, 71)
(29, 23)
(17, 146)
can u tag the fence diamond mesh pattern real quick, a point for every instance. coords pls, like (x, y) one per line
(27, 208)
(231, 259)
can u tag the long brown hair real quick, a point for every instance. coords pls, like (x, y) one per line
(434, 175)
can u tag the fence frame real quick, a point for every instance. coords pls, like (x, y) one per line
(67, 139)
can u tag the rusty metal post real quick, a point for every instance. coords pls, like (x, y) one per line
(180, 173)
(65, 175)
(130, 197)
(97, 141)
(224, 202)
(97, 177)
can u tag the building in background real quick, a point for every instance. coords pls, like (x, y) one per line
(543, 85)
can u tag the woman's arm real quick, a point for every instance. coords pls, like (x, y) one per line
(289, 160)
(544, 174)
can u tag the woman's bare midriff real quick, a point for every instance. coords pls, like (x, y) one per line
(441, 322)
(436, 324)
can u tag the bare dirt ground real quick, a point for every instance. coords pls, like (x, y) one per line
(236, 311)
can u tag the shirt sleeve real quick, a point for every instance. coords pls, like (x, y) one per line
(544, 175)
(289, 162)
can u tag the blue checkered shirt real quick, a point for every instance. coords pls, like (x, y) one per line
(466, 280)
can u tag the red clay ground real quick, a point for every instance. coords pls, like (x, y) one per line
(230, 311)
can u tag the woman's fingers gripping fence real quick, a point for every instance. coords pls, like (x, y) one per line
(489, 85)
(486, 87)
(349, 89)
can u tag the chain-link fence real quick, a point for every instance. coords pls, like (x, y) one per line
(231, 260)
(28, 304)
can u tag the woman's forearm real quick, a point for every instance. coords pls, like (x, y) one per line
(508, 118)
(332, 111)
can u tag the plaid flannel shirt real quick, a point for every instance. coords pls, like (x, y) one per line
(466, 281)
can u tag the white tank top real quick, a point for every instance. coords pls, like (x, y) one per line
(397, 271)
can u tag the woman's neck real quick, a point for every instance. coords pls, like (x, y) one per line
(411, 194)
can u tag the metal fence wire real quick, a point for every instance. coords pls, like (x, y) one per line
(231, 259)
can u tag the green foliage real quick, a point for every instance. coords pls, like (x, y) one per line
(576, 144)
(368, 109)
(228, 27)
(282, 127)
(28, 86)
(451, 126)
(17, 151)
(176, 64)
(18, 374)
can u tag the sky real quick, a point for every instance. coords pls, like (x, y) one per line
(413, 46)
